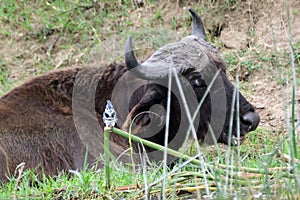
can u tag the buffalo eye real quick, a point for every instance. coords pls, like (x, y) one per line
(198, 82)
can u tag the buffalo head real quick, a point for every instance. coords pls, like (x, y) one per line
(224, 111)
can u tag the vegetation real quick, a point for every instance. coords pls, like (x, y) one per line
(37, 36)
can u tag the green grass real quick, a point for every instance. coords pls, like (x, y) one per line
(243, 60)
(258, 152)
(3, 74)
(65, 33)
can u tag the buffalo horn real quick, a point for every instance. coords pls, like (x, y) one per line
(141, 70)
(197, 25)
(130, 59)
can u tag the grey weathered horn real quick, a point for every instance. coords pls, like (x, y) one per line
(197, 25)
(145, 70)
(130, 59)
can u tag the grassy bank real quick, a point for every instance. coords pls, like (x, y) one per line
(38, 36)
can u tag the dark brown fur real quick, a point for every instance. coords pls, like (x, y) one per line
(36, 122)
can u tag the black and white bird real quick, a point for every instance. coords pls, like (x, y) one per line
(109, 115)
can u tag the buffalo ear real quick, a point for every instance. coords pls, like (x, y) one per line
(197, 25)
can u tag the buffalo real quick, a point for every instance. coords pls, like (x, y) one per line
(53, 122)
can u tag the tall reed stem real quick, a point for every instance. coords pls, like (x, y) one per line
(107, 155)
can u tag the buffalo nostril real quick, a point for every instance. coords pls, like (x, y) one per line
(251, 119)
